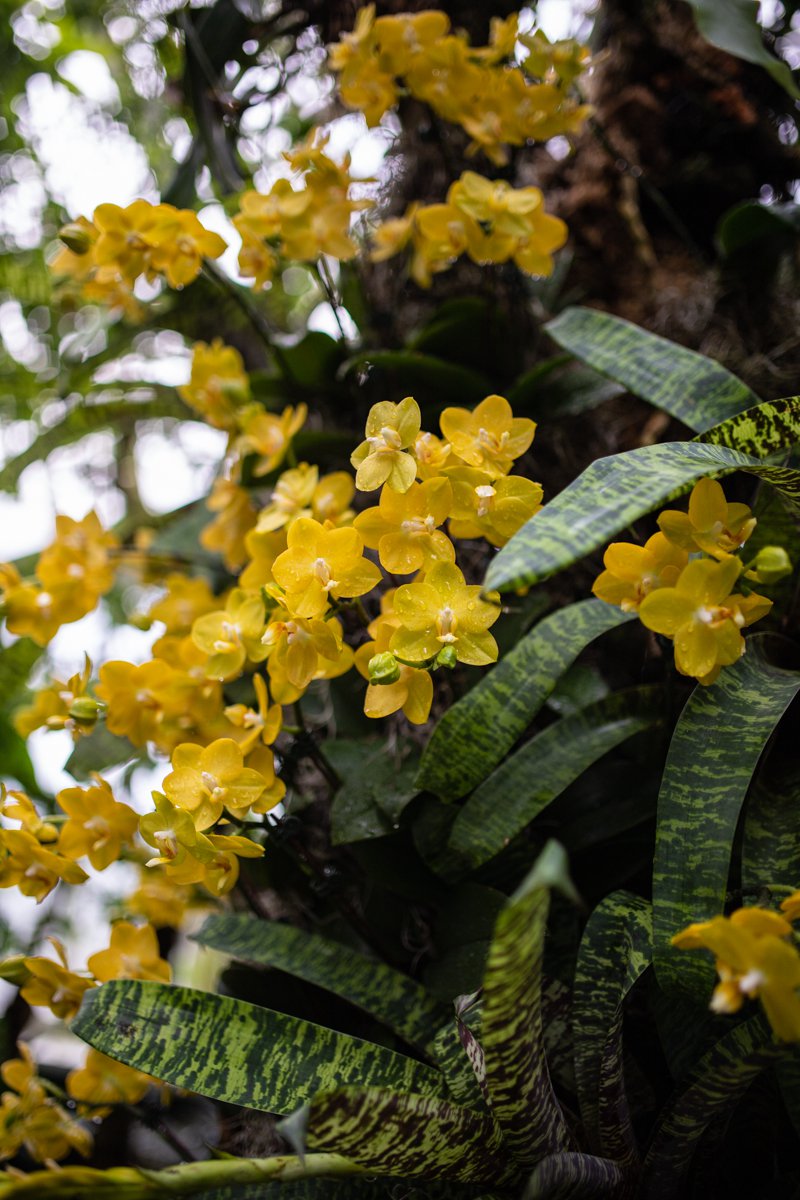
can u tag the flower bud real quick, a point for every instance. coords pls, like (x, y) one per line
(384, 668)
(446, 657)
(85, 710)
(771, 564)
(13, 970)
(75, 238)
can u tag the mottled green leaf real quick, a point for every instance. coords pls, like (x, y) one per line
(616, 948)
(457, 1052)
(762, 430)
(476, 733)
(609, 496)
(526, 782)
(771, 840)
(399, 1002)
(689, 386)
(575, 1175)
(233, 1051)
(733, 25)
(517, 1079)
(392, 1134)
(715, 748)
(717, 1083)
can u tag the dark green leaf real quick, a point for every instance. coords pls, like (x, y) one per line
(609, 496)
(389, 996)
(575, 1175)
(433, 381)
(732, 25)
(526, 782)
(771, 842)
(718, 1081)
(716, 746)
(560, 388)
(476, 733)
(764, 228)
(233, 1051)
(98, 750)
(517, 1079)
(616, 948)
(689, 386)
(376, 787)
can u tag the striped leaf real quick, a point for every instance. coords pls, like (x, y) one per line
(388, 1133)
(476, 733)
(609, 496)
(575, 1175)
(715, 748)
(391, 997)
(771, 842)
(689, 386)
(233, 1051)
(517, 1078)
(765, 429)
(458, 1053)
(526, 782)
(615, 950)
(717, 1083)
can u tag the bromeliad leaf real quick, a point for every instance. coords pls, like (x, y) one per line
(475, 734)
(399, 1002)
(611, 494)
(517, 1079)
(717, 1083)
(522, 786)
(762, 430)
(236, 1052)
(572, 1175)
(716, 746)
(689, 386)
(615, 950)
(391, 1134)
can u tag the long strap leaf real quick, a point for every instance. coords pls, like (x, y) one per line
(573, 1176)
(517, 1076)
(717, 743)
(716, 1085)
(689, 386)
(615, 950)
(388, 1133)
(523, 786)
(476, 733)
(391, 997)
(236, 1052)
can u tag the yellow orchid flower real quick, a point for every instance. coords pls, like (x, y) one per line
(226, 534)
(102, 1081)
(493, 510)
(172, 832)
(383, 456)
(232, 636)
(489, 437)
(158, 899)
(291, 498)
(52, 985)
(98, 826)
(332, 497)
(322, 564)
(753, 958)
(269, 436)
(32, 868)
(444, 611)
(184, 601)
(132, 954)
(218, 387)
(411, 692)
(632, 572)
(262, 724)
(180, 242)
(295, 645)
(702, 616)
(711, 524)
(404, 527)
(204, 780)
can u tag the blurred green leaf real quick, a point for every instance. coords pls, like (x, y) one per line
(733, 25)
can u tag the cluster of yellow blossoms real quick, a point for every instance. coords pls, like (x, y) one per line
(681, 581)
(299, 219)
(69, 578)
(30, 1116)
(109, 253)
(490, 221)
(755, 957)
(497, 99)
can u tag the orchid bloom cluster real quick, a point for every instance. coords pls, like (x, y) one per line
(498, 99)
(756, 956)
(681, 582)
(488, 220)
(299, 219)
(108, 254)
(29, 1115)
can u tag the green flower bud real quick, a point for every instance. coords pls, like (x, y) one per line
(13, 970)
(384, 668)
(771, 564)
(446, 657)
(75, 238)
(85, 710)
